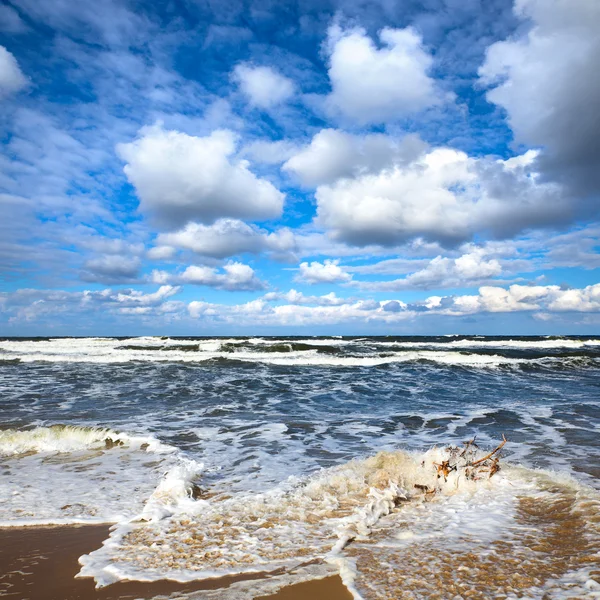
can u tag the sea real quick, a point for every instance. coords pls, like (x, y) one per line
(300, 458)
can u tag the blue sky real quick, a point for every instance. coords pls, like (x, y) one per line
(299, 167)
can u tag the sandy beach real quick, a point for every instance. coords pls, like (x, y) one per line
(40, 563)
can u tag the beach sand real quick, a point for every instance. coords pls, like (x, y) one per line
(40, 563)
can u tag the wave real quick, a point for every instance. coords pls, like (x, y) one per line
(299, 353)
(380, 505)
(288, 525)
(176, 492)
(70, 438)
(393, 506)
(539, 344)
(281, 347)
(68, 474)
(315, 358)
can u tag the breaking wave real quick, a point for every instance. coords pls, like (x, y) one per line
(67, 474)
(326, 352)
(393, 507)
(70, 438)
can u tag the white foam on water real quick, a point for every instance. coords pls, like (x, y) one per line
(298, 521)
(175, 491)
(313, 358)
(537, 537)
(337, 516)
(546, 344)
(255, 588)
(68, 438)
(68, 474)
(167, 528)
(109, 350)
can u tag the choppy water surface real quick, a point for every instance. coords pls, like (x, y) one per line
(299, 457)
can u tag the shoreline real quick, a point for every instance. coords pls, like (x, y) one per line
(40, 563)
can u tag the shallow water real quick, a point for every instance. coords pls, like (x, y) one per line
(257, 454)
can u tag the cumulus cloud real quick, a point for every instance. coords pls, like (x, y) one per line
(180, 178)
(333, 154)
(579, 300)
(326, 272)
(373, 85)
(263, 86)
(11, 77)
(443, 272)
(235, 277)
(444, 196)
(547, 81)
(550, 298)
(228, 237)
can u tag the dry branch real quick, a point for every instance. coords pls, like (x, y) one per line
(490, 454)
(462, 462)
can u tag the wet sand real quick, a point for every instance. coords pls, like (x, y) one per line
(40, 563)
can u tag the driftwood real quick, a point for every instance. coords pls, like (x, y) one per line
(444, 468)
(463, 460)
(481, 460)
(468, 444)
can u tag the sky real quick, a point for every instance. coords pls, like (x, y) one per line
(299, 167)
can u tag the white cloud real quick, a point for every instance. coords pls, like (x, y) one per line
(330, 155)
(326, 272)
(260, 312)
(547, 80)
(580, 300)
(443, 196)
(296, 297)
(374, 85)
(263, 86)
(235, 277)
(160, 277)
(542, 302)
(475, 266)
(516, 297)
(11, 77)
(443, 272)
(181, 178)
(550, 298)
(333, 154)
(161, 253)
(138, 298)
(227, 237)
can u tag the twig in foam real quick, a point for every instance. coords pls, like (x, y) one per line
(477, 462)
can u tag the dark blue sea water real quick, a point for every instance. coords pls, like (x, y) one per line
(189, 430)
